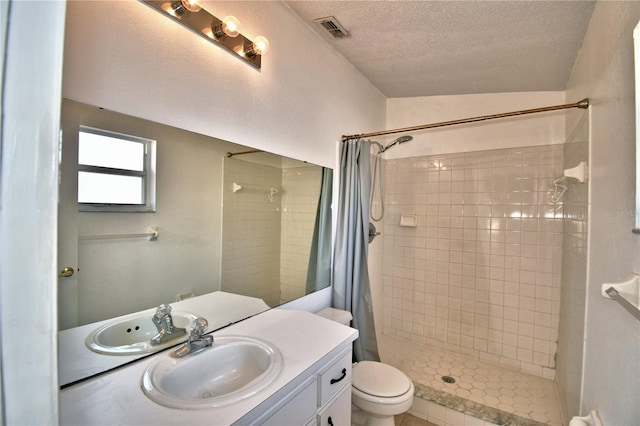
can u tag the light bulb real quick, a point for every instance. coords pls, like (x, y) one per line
(231, 26)
(260, 46)
(191, 5)
(181, 6)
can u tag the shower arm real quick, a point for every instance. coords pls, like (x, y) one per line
(583, 104)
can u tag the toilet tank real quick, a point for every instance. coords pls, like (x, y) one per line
(337, 315)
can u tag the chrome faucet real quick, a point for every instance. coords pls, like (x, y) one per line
(164, 324)
(197, 340)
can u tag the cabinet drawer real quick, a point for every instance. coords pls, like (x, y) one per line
(338, 412)
(332, 379)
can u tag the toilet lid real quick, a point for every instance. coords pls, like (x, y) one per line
(378, 379)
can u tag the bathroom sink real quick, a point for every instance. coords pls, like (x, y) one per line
(132, 334)
(233, 368)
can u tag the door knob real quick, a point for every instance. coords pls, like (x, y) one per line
(66, 272)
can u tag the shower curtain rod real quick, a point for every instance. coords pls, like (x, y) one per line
(583, 104)
(253, 151)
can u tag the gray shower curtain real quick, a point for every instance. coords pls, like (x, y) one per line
(351, 289)
(319, 270)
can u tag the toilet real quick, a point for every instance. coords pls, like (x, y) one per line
(378, 391)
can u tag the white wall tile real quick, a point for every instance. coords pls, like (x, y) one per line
(491, 256)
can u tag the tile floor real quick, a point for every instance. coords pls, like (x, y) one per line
(409, 420)
(482, 386)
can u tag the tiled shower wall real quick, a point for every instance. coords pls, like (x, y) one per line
(266, 244)
(299, 204)
(574, 274)
(480, 273)
(251, 231)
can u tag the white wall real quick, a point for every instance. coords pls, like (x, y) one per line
(604, 73)
(528, 130)
(30, 132)
(127, 57)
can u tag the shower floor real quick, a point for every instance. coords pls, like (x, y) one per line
(497, 394)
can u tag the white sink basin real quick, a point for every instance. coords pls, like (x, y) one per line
(131, 335)
(233, 368)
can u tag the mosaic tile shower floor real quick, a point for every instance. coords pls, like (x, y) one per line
(487, 391)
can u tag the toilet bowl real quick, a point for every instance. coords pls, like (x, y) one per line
(378, 391)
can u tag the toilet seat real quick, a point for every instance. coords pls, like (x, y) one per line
(364, 400)
(379, 380)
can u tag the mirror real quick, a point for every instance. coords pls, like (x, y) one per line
(636, 39)
(232, 223)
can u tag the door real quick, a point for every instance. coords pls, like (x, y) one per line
(68, 226)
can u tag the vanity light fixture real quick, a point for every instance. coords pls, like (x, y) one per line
(224, 33)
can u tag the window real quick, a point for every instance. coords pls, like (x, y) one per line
(116, 172)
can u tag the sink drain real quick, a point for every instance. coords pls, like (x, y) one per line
(448, 379)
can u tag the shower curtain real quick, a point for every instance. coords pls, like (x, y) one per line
(319, 270)
(351, 288)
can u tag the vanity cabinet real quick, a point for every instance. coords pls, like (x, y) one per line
(312, 388)
(323, 399)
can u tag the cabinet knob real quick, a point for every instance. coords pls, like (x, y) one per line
(329, 421)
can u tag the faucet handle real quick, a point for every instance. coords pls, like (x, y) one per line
(199, 326)
(163, 310)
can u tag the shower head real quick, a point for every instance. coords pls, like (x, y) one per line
(401, 139)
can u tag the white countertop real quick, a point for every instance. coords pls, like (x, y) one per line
(76, 361)
(117, 398)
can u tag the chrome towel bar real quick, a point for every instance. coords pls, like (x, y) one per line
(153, 235)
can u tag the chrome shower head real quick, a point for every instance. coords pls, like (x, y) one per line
(401, 139)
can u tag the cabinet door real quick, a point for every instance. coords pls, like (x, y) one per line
(338, 412)
(298, 410)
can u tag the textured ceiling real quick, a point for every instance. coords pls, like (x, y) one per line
(425, 48)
